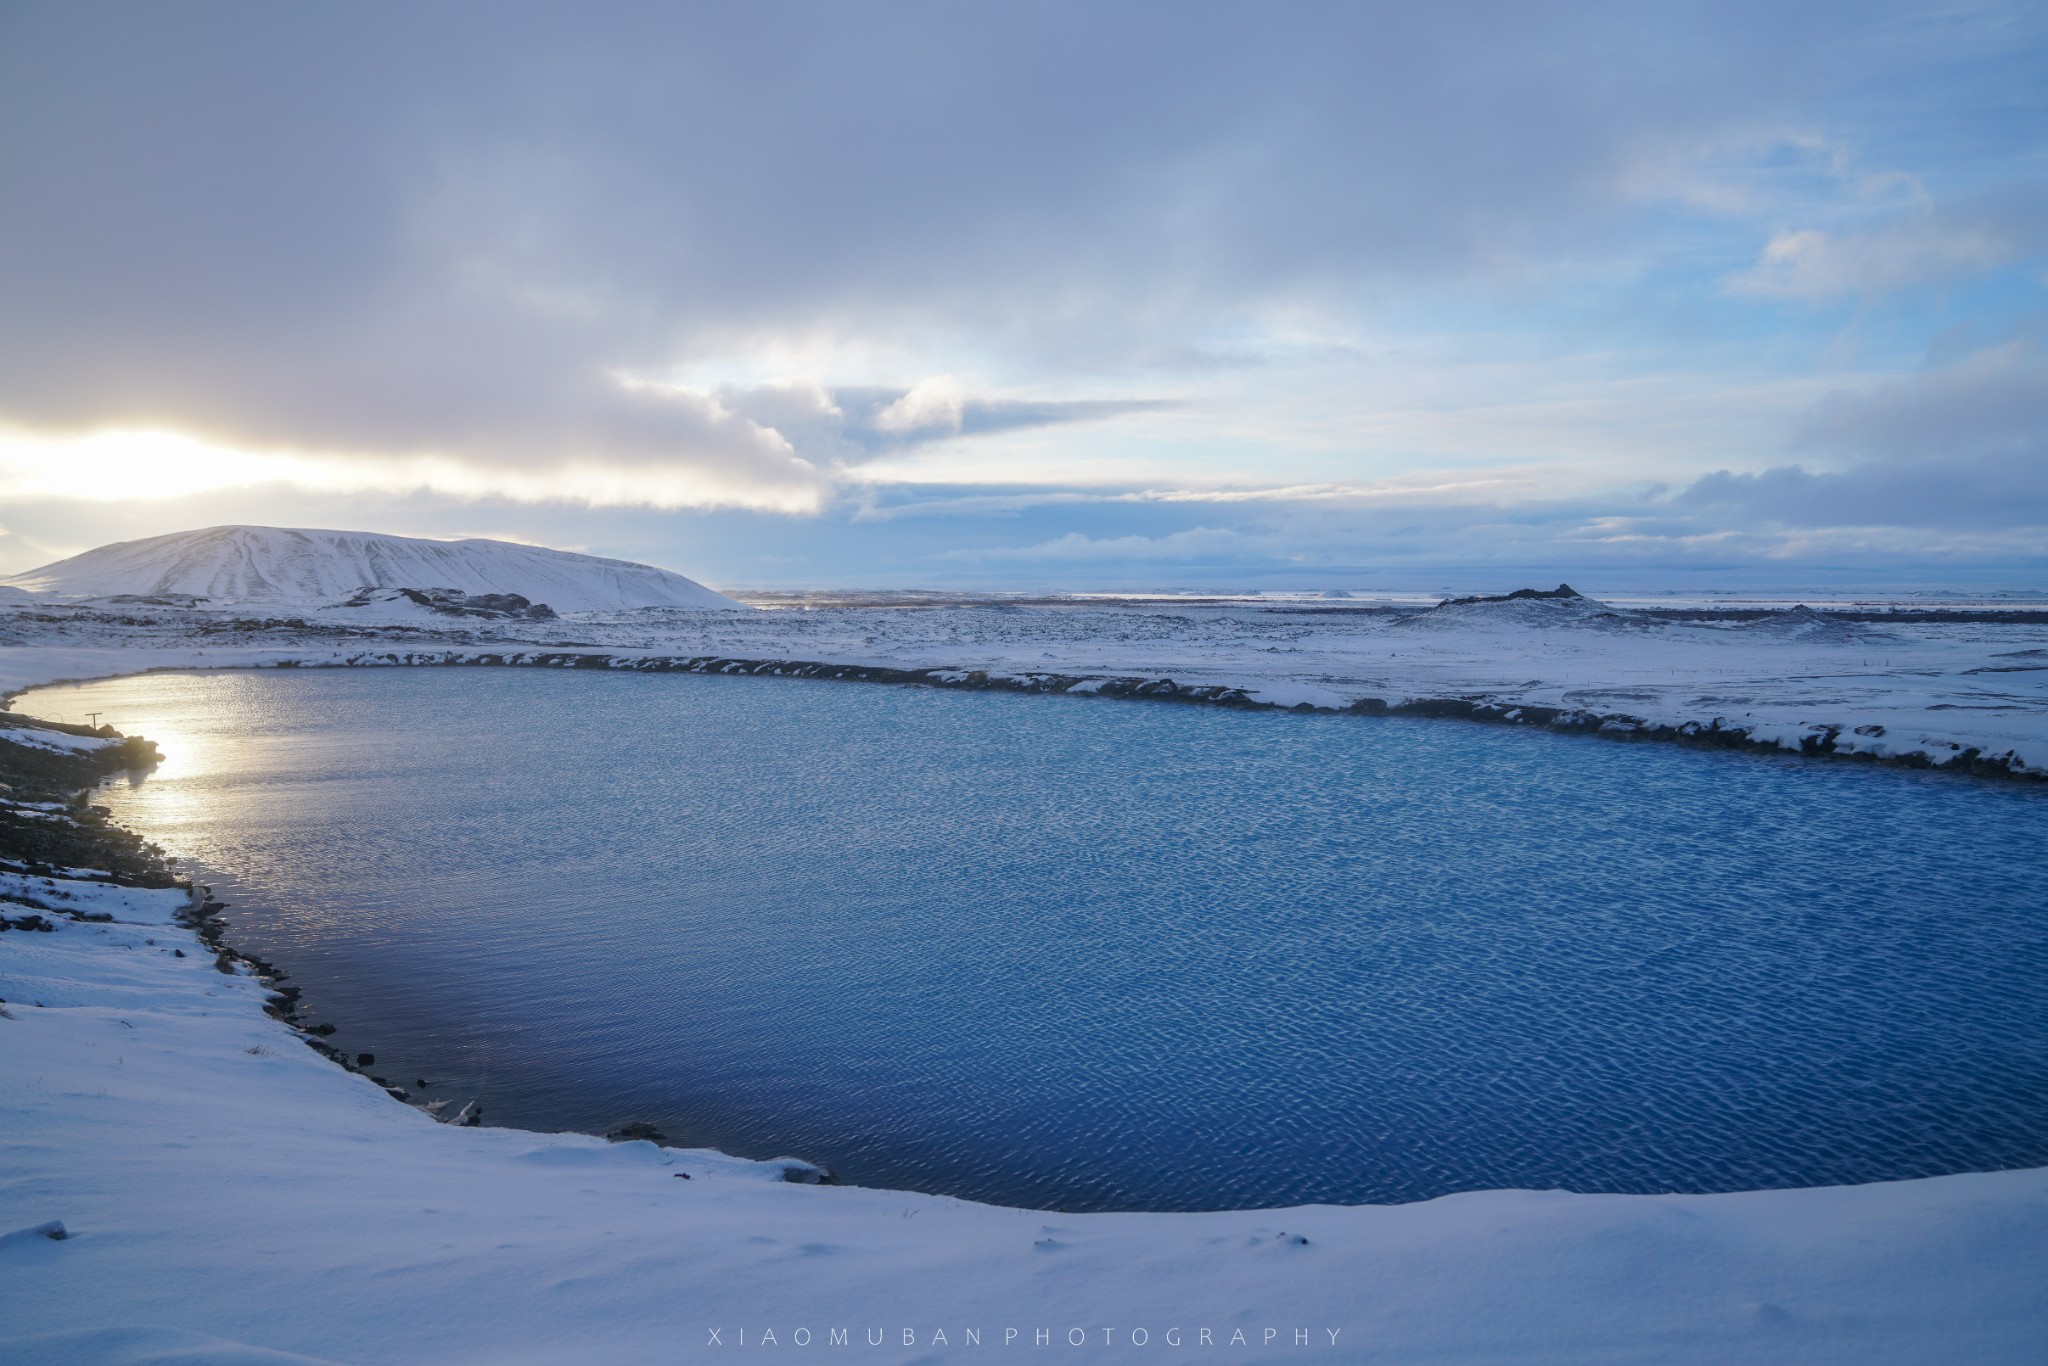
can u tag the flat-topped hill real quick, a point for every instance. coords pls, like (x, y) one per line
(257, 564)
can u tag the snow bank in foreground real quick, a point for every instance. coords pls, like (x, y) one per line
(229, 1196)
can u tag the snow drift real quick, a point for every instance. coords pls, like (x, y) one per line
(272, 565)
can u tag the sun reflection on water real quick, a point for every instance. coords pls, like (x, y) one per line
(202, 730)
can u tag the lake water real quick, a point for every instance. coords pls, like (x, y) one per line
(1089, 954)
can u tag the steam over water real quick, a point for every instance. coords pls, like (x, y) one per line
(1088, 954)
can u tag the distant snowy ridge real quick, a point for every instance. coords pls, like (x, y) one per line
(272, 565)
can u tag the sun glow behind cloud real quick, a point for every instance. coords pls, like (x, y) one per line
(128, 464)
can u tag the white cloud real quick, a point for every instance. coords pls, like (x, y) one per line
(1989, 402)
(1811, 264)
(125, 465)
(936, 404)
(1194, 271)
(1960, 446)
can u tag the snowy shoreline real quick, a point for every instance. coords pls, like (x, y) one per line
(1869, 742)
(1892, 682)
(495, 1244)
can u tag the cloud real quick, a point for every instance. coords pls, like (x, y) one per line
(443, 233)
(1993, 495)
(1895, 235)
(1811, 264)
(938, 404)
(942, 406)
(848, 426)
(1991, 403)
(1361, 275)
(1962, 444)
(1468, 487)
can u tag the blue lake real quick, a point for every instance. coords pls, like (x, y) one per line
(1088, 954)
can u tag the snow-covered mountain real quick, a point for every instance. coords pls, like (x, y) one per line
(274, 565)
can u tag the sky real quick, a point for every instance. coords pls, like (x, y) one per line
(1042, 295)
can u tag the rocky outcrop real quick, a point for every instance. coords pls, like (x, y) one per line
(1525, 607)
(1562, 591)
(454, 603)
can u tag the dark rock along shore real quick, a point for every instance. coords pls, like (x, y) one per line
(1819, 742)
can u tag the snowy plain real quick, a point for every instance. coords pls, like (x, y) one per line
(1885, 684)
(233, 1196)
(1887, 680)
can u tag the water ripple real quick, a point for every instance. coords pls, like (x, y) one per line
(1085, 954)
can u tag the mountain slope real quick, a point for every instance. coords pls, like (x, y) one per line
(254, 564)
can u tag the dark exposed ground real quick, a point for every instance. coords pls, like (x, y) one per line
(80, 835)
